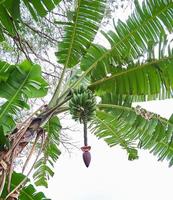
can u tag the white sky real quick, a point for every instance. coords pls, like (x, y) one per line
(110, 175)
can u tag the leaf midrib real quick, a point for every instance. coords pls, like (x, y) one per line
(128, 35)
(129, 70)
(73, 36)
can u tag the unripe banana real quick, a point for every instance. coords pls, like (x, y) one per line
(82, 104)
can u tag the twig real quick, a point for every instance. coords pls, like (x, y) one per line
(31, 152)
(3, 179)
(55, 26)
(40, 57)
(41, 33)
(10, 170)
(20, 42)
(50, 74)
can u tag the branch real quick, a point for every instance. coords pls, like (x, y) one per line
(38, 56)
(46, 73)
(42, 34)
(20, 42)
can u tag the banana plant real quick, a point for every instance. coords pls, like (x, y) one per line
(100, 92)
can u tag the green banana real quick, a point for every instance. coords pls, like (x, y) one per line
(82, 104)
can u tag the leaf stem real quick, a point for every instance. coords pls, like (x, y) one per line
(53, 101)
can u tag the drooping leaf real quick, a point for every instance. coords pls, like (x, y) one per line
(13, 8)
(104, 127)
(5, 70)
(6, 21)
(44, 166)
(146, 129)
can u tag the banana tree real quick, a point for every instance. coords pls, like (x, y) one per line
(99, 92)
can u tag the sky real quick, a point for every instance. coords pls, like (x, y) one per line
(110, 175)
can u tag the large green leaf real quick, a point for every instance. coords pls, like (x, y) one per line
(19, 83)
(27, 193)
(80, 31)
(51, 152)
(146, 129)
(130, 41)
(149, 78)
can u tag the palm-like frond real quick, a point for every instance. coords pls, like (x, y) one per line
(21, 82)
(80, 32)
(105, 127)
(152, 77)
(44, 166)
(130, 41)
(146, 129)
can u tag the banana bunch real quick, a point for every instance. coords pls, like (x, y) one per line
(82, 104)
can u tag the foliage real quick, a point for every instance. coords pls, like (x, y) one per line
(43, 167)
(80, 31)
(18, 83)
(135, 65)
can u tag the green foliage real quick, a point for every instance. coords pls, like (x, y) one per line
(152, 77)
(119, 69)
(130, 70)
(80, 31)
(51, 152)
(10, 13)
(119, 124)
(28, 192)
(19, 83)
